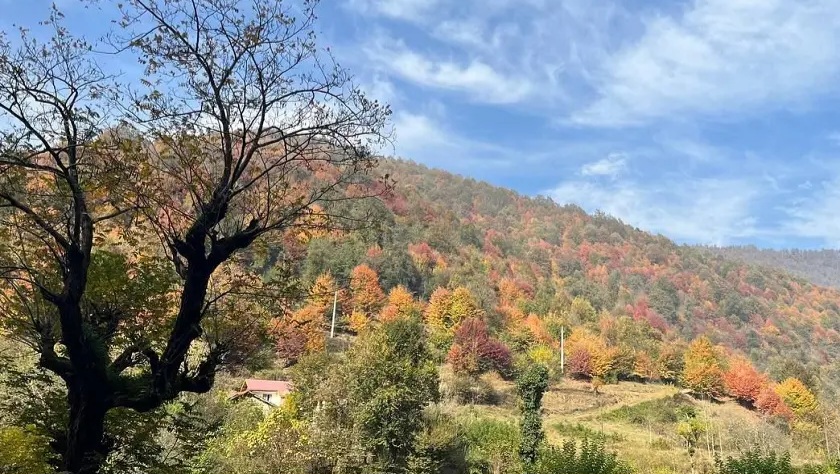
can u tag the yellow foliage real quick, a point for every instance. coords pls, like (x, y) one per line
(798, 397)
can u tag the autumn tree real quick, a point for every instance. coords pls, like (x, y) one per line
(475, 352)
(401, 303)
(588, 355)
(366, 296)
(798, 397)
(448, 308)
(770, 403)
(241, 129)
(703, 368)
(743, 381)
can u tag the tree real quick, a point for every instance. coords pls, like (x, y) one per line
(222, 148)
(703, 370)
(366, 294)
(531, 386)
(770, 403)
(743, 381)
(401, 303)
(798, 397)
(390, 379)
(475, 352)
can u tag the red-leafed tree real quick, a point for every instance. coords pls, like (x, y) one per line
(475, 352)
(770, 403)
(743, 381)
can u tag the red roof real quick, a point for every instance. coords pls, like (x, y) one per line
(257, 385)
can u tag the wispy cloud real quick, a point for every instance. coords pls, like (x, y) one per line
(610, 166)
(711, 211)
(718, 59)
(475, 78)
(410, 10)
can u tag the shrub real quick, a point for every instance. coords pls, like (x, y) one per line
(755, 462)
(440, 447)
(591, 458)
(492, 446)
(465, 389)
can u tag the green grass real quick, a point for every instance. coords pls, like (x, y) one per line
(662, 411)
(578, 430)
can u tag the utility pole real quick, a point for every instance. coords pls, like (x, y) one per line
(562, 349)
(332, 325)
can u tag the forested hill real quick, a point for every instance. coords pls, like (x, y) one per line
(524, 256)
(819, 266)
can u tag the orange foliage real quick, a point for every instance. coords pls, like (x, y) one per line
(401, 303)
(367, 295)
(770, 403)
(743, 381)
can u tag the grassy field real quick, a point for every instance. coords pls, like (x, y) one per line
(645, 423)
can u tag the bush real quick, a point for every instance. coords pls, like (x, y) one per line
(492, 446)
(755, 462)
(591, 458)
(440, 447)
(470, 390)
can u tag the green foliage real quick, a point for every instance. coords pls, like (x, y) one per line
(755, 462)
(390, 379)
(492, 446)
(662, 411)
(590, 458)
(23, 451)
(440, 447)
(531, 386)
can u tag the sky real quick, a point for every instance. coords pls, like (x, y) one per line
(708, 121)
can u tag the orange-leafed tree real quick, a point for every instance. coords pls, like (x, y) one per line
(743, 381)
(645, 367)
(299, 333)
(703, 368)
(401, 304)
(583, 346)
(366, 295)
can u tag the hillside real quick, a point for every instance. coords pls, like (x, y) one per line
(441, 230)
(819, 266)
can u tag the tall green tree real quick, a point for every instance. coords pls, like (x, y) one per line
(531, 386)
(391, 378)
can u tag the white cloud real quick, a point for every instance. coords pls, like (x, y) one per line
(475, 78)
(427, 138)
(711, 211)
(411, 10)
(720, 57)
(610, 166)
(815, 216)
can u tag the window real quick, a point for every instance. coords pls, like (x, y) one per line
(266, 397)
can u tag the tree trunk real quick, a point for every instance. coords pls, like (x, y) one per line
(85, 451)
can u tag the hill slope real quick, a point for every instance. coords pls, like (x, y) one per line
(819, 266)
(439, 229)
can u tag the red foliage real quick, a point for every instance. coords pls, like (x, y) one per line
(579, 364)
(474, 351)
(770, 403)
(743, 381)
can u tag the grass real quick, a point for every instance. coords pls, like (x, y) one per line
(661, 411)
(581, 431)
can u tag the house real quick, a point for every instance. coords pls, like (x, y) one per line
(269, 392)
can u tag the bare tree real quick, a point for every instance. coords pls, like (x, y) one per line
(241, 129)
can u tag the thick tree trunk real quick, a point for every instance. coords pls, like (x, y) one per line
(85, 451)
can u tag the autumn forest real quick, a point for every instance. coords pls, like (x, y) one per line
(213, 268)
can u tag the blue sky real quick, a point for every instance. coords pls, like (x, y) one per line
(709, 121)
